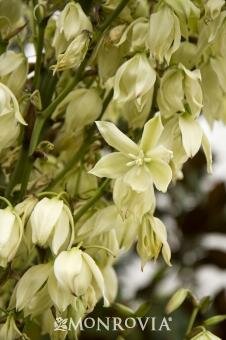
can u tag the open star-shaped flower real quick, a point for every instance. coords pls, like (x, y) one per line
(138, 165)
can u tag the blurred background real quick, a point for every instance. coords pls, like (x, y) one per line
(194, 211)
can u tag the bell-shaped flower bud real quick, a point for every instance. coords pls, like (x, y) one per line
(177, 300)
(9, 330)
(11, 232)
(152, 239)
(13, 70)
(31, 284)
(180, 91)
(76, 271)
(74, 54)
(213, 8)
(78, 114)
(52, 224)
(9, 104)
(128, 111)
(71, 23)
(188, 14)
(133, 80)
(163, 40)
(134, 36)
(130, 202)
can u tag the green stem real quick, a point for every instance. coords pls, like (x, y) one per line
(192, 319)
(91, 201)
(38, 64)
(17, 172)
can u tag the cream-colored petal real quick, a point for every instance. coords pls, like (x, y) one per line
(7, 219)
(43, 218)
(191, 134)
(83, 280)
(61, 231)
(115, 138)
(160, 230)
(60, 297)
(30, 283)
(111, 166)
(138, 178)
(98, 277)
(161, 174)
(207, 151)
(67, 265)
(151, 133)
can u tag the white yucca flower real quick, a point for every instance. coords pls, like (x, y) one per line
(71, 22)
(152, 239)
(52, 224)
(11, 232)
(133, 80)
(13, 70)
(163, 40)
(76, 271)
(139, 165)
(74, 54)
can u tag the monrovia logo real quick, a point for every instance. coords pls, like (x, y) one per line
(113, 324)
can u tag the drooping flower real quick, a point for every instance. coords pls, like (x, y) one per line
(180, 94)
(30, 284)
(11, 232)
(133, 80)
(152, 239)
(163, 40)
(134, 36)
(74, 54)
(52, 224)
(70, 24)
(13, 70)
(139, 165)
(76, 271)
